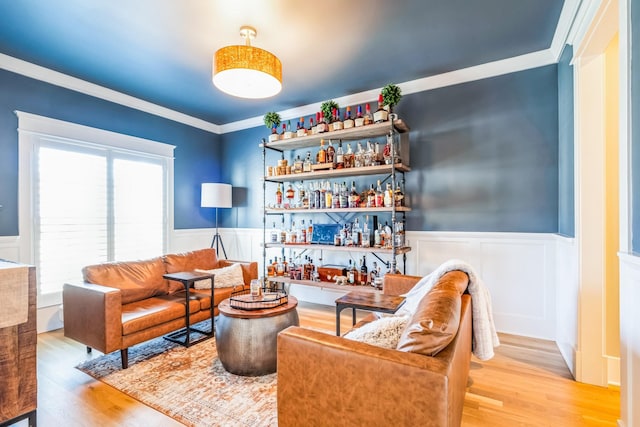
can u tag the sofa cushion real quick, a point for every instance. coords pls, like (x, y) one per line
(136, 280)
(383, 332)
(225, 277)
(437, 317)
(204, 259)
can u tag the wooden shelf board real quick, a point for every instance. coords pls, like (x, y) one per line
(337, 210)
(324, 285)
(317, 247)
(336, 173)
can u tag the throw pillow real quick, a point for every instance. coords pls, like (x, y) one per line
(384, 332)
(225, 277)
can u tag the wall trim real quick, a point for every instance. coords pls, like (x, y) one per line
(56, 78)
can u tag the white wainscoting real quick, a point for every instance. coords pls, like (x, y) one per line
(567, 298)
(10, 248)
(629, 340)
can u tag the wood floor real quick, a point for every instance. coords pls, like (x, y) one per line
(525, 384)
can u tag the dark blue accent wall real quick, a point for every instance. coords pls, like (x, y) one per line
(635, 125)
(197, 152)
(484, 157)
(566, 187)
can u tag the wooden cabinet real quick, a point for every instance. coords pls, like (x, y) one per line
(18, 343)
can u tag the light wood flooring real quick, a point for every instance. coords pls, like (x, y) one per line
(526, 384)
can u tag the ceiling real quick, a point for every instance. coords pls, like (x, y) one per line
(161, 51)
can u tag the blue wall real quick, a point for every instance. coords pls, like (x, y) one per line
(484, 157)
(197, 152)
(566, 186)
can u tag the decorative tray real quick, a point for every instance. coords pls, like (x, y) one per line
(243, 300)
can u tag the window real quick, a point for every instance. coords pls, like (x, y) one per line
(94, 199)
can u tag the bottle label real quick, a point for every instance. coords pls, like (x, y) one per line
(380, 116)
(337, 126)
(359, 122)
(349, 123)
(321, 128)
(301, 132)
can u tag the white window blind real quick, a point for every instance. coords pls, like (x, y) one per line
(92, 202)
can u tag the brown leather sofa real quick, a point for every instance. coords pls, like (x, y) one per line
(325, 380)
(125, 303)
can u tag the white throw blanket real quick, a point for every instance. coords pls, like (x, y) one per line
(484, 337)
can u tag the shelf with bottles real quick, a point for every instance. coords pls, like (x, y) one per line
(350, 134)
(277, 211)
(320, 247)
(322, 284)
(338, 173)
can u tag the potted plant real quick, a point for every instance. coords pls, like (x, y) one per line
(327, 108)
(272, 121)
(391, 95)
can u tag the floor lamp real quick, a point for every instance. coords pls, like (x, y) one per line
(216, 195)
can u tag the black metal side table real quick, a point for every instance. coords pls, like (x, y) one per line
(188, 278)
(366, 301)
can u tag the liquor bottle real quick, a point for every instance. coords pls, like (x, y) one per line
(297, 165)
(322, 125)
(283, 234)
(288, 133)
(348, 120)
(336, 196)
(366, 233)
(381, 115)
(344, 196)
(359, 121)
(388, 196)
(310, 231)
(371, 197)
(275, 234)
(337, 122)
(331, 154)
(280, 268)
(322, 153)
(399, 195)
(290, 194)
(351, 274)
(377, 239)
(302, 131)
(292, 236)
(302, 233)
(368, 118)
(279, 196)
(284, 129)
(358, 157)
(328, 196)
(316, 195)
(339, 157)
(364, 273)
(311, 130)
(271, 270)
(354, 196)
(348, 157)
(356, 233)
(323, 199)
(306, 165)
(379, 196)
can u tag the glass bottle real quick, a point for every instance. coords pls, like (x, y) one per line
(323, 199)
(322, 153)
(366, 234)
(371, 197)
(356, 233)
(364, 272)
(388, 196)
(336, 196)
(354, 196)
(302, 233)
(328, 196)
(279, 196)
(310, 231)
(339, 156)
(379, 196)
(399, 195)
(306, 165)
(290, 194)
(344, 197)
(331, 154)
(381, 115)
(368, 118)
(337, 122)
(351, 275)
(312, 128)
(348, 157)
(271, 270)
(297, 164)
(322, 125)
(348, 120)
(275, 234)
(302, 131)
(359, 120)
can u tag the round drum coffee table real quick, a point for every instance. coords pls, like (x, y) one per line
(246, 340)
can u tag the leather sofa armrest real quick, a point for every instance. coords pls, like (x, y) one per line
(339, 381)
(93, 315)
(398, 284)
(249, 269)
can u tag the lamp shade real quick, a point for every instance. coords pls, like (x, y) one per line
(215, 195)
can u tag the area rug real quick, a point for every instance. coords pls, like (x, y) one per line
(189, 384)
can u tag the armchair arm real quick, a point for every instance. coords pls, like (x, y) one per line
(249, 268)
(398, 284)
(335, 381)
(93, 315)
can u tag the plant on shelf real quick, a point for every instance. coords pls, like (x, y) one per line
(327, 109)
(391, 95)
(272, 121)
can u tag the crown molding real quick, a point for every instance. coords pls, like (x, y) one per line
(464, 75)
(565, 23)
(56, 78)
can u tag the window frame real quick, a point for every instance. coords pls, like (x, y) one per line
(33, 129)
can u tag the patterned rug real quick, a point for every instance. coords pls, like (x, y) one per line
(189, 384)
